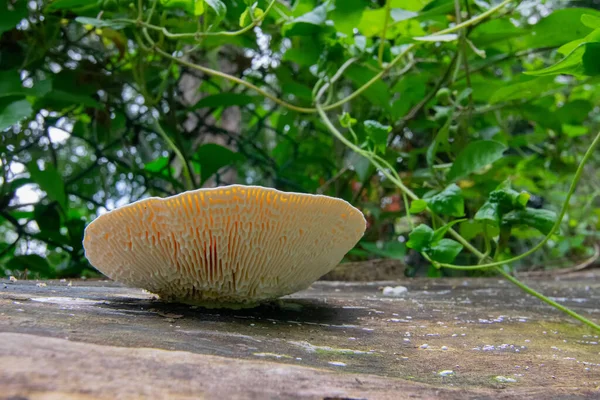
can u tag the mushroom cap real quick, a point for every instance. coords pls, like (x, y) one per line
(226, 246)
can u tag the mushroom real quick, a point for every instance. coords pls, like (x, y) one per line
(230, 246)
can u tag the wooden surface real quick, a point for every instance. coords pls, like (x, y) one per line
(99, 340)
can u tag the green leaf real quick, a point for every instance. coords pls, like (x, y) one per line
(198, 7)
(346, 120)
(417, 206)
(574, 112)
(448, 202)
(565, 49)
(582, 61)
(490, 213)
(347, 15)
(540, 219)
(523, 199)
(445, 251)
(13, 112)
(218, 7)
(31, 262)
(378, 93)
(50, 181)
(474, 157)
(591, 21)
(212, 157)
(157, 165)
(47, 217)
(192, 7)
(100, 23)
(378, 133)
(10, 17)
(224, 100)
(560, 27)
(10, 84)
(307, 24)
(528, 88)
(471, 229)
(420, 238)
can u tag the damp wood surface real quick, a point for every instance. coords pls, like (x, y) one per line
(443, 339)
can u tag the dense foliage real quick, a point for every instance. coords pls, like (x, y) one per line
(430, 116)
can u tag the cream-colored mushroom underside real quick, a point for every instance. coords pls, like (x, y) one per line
(235, 244)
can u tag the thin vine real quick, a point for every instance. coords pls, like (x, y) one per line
(378, 162)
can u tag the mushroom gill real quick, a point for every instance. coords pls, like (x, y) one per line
(226, 246)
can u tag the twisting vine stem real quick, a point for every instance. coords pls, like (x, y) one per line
(378, 162)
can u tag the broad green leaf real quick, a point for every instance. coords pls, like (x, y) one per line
(569, 47)
(12, 113)
(420, 238)
(540, 219)
(574, 112)
(100, 23)
(582, 61)
(409, 5)
(10, 84)
(224, 100)
(10, 17)
(198, 7)
(522, 200)
(417, 206)
(50, 181)
(192, 7)
(437, 7)
(218, 7)
(591, 21)
(475, 156)
(445, 251)
(157, 165)
(57, 99)
(346, 120)
(303, 52)
(347, 14)
(31, 262)
(47, 217)
(378, 133)
(560, 27)
(378, 93)
(212, 157)
(471, 229)
(371, 23)
(490, 213)
(307, 24)
(541, 116)
(448, 202)
(411, 89)
(529, 88)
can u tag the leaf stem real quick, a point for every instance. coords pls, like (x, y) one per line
(178, 153)
(545, 299)
(565, 207)
(388, 5)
